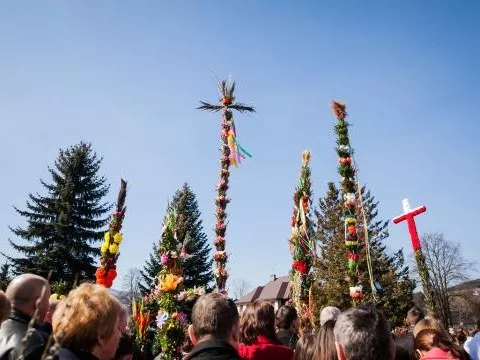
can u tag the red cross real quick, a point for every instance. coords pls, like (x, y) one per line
(409, 215)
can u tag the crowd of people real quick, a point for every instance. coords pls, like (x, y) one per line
(90, 323)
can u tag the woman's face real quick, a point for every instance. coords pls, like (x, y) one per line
(109, 345)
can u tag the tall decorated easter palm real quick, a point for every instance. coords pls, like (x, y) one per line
(346, 169)
(107, 271)
(231, 154)
(303, 246)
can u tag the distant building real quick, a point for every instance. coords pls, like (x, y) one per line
(276, 291)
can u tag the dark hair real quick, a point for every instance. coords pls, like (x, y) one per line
(414, 315)
(461, 336)
(214, 315)
(257, 319)
(325, 343)
(363, 333)
(306, 347)
(125, 347)
(285, 317)
(427, 339)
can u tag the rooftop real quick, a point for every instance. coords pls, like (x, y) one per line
(276, 289)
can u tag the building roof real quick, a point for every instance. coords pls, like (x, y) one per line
(277, 289)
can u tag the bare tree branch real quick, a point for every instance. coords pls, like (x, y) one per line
(131, 283)
(240, 288)
(447, 267)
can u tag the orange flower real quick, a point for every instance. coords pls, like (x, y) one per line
(170, 282)
(142, 319)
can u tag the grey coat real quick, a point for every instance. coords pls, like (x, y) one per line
(12, 332)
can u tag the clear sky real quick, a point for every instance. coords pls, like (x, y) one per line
(128, 75)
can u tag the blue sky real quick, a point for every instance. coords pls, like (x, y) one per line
(127, 76)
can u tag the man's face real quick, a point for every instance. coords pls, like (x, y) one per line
(235, 334)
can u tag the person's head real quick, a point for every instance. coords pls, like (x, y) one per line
(258, 319)
(123, 320)
(427, 339)
(461, 336)
(286, 318)
(325, 343)
(305, 348)
(52, 306)
(29, 293)
(363, 333)
(429, 323)
(125, 348)
(214, 316)
(329, 313)
(477, 327)
(414, 315)
(88, 320)
(4, 307)
(432, 315)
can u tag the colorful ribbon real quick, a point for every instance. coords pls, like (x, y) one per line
(237, 152)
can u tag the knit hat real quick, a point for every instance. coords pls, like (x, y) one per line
(329, 313)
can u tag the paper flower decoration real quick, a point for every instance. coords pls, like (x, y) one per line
(181, 317)
(142, 318)
(117, 238)
(56, 296)
(113, 249)
(105, 279)
(220, 255)
(104, 247)
(221, 272)
(344, 148)
(170, 282)
(162, 317)
(164, 259)
(356, 292)
(301, 266)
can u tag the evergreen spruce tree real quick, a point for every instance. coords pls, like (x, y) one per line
(64, 225)
(198, 267)
(4, 276)
(394, 288)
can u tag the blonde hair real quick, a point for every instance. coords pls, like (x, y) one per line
(429, 323)
(4, 307)
(89, 312)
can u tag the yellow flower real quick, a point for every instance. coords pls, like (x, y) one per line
(104, 247)
(107, 237)
(117, 238)
(55, 296)
(170, 282)
(113, 249)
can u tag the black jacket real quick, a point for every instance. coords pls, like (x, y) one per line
(287, 338)
(12, 332)
(71, 354)
(213, 350)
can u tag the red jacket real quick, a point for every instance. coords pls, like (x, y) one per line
(265, 349)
